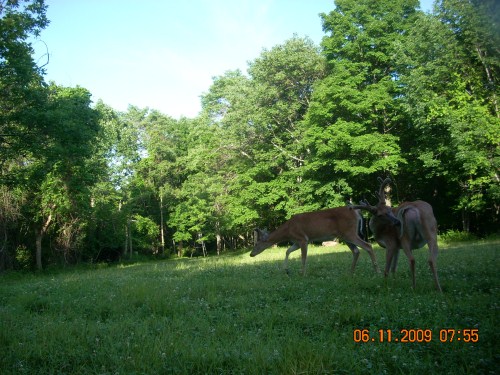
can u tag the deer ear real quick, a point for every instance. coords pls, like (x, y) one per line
(259, 234)
(264, 234)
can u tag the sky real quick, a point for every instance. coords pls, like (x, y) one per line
(163, 54)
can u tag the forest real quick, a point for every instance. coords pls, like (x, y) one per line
(391, 92)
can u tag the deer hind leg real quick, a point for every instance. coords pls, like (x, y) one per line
(433, 252)
(429, 233)
(369, 249)
(355, 255)
(411, 259)
(291, 249)
(303, 249)
(365, 245)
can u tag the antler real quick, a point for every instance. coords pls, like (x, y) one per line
(381, 193)
(363, 205)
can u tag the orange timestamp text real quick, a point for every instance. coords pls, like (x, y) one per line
(411, 335)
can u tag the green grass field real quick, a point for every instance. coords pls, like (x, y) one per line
(239, 315)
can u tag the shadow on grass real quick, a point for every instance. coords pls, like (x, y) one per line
(237, 314)
(330, 264)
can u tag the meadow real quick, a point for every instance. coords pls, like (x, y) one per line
(234, 314)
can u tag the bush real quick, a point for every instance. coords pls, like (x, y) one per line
(24, 258)
(457, 236)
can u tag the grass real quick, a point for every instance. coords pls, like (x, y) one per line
(239, 315)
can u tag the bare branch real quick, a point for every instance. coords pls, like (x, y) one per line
(284, 152)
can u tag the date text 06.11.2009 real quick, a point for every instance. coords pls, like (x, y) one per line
(415, 335)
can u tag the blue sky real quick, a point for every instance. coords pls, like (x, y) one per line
(163, 54)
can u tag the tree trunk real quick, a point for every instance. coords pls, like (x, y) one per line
(162, 231)
(219, 243)
(491, 81)
(2, 252)
(179, 249)
(129, 238)
(465, 220)
(38, 241)
(125, 245)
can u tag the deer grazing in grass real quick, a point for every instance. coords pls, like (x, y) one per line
(300, 229)
(409, 226)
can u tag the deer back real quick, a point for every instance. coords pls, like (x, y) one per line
(416, 219)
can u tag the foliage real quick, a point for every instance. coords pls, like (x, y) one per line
(353, 116)
(236, 314)
(21, 82)
(392, 91)
(24, 258)
(450, 87)
(454, 236)
(148, 231)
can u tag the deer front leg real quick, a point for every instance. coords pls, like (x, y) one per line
(389, 256)
(291, 249)
(394, 262)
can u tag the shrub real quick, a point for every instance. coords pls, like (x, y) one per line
(452, 236)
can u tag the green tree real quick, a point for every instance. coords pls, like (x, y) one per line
(449, 78)
(153, 190)
(227, 152)
(115, 154)
(59, 176)
(354, 115)
(253, 151)
(22, 92)
(283, 80)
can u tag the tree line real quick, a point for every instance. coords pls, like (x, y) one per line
(391, 91)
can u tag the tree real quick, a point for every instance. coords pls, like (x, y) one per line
(354, 114)
(255, 123)
(22, 91)
(59, 175)
(449, 79)
(283, 79)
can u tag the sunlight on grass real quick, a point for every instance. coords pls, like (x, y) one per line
(237, 314)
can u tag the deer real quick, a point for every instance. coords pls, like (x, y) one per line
(409, 226)
(303, 228)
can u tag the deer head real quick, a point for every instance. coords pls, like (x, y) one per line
(261, 234)
(381, 211)
(260, 241)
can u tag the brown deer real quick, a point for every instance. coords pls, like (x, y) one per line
(409, 226)
(300, 229)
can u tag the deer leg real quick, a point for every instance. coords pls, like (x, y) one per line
(433, 251)
(429, 233)
(411, 259)
(365, 245)
(355, 255)
(394, 262)
(291, 249)
(303, 249)
(389, 255)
